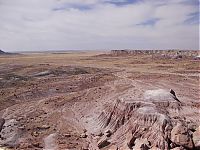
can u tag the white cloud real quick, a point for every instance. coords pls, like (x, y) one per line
(94, 24)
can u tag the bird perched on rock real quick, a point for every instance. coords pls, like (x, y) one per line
(174, 95)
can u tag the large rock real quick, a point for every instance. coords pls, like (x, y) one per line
(153, 117)
(196, 138)
(103, 142)
(129, 120)
(10, 133)
(180, 136)
(2, 121)
(142, 144)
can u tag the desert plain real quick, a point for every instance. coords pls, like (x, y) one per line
(91, 100)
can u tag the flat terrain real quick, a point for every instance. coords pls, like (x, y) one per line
(95, 100)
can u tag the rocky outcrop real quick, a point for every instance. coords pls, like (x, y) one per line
(145, 124)
(2, 121)
(196, 138)
(181, 136)
(176, 54)
(10, 134)
(142, 144)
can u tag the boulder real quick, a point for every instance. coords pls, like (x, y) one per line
(67, 135)
(142, 144)
(2, 121)
(103, 142)
(83, 135)
(10, 134)
(196, 138)
(180, 136)
(108, 133)
(43, 127)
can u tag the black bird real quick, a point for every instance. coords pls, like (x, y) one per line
(174, 95)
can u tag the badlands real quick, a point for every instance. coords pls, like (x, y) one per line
(89, 100)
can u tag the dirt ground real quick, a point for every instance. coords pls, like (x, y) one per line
(54, 100)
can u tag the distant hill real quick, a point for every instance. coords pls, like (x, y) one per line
(2, 52)
(6, 53)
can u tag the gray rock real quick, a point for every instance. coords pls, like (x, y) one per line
(67, 135)
(103, 142)
(196, 138)
(108, 133)
(2, 121)
(180, 136)
(83, 135)
(142, 144)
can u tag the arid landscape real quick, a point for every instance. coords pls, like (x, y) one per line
(93, 100)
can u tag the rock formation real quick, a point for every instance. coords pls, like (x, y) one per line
(2, 121)
(145, 124)
(196, 138)
(176, 54)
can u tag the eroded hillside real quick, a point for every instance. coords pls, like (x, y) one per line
(90, 102)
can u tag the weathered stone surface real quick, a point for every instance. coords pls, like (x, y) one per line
(103, 142)
(83, 135)
(113, 147)
(108, 133)
(85, 146)
(67, 135)
(43, 127)
(10, 134)
(2, 121)
(180, 136)
(139, 119)
(141, 144)
(156, 53)
(196, 138)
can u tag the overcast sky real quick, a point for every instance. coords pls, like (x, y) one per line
(98, 24)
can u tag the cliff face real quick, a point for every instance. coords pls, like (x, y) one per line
(163, 53)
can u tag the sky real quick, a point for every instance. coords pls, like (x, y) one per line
(37, 25)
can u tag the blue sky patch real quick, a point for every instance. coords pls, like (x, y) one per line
(191, 2)
(193, 18)
(75, 6)
(150, 22)
(123, 2)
